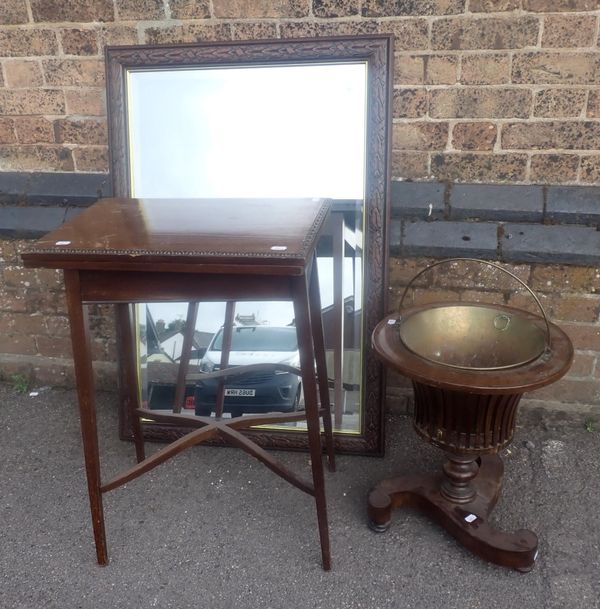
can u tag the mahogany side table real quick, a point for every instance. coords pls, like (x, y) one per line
(124, 251)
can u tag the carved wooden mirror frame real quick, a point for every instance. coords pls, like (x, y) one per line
(376, 52)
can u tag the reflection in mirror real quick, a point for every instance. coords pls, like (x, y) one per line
(233, 137)
(262, 118)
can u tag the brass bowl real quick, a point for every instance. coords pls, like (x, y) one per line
(472, 336)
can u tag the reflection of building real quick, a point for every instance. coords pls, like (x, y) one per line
(352, 325)
(164, 343)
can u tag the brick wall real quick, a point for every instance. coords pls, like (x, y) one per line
(485, 90)
(569, 295)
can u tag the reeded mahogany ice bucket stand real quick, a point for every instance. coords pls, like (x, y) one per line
(469, 365)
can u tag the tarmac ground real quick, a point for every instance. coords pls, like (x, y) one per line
(212, 528)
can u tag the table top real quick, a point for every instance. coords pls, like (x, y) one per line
(123, 232)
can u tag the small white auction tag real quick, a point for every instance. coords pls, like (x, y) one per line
(279, 248)
(63, 243)
(470, 517)
(391, 322)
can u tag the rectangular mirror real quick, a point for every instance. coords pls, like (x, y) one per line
(268, 119)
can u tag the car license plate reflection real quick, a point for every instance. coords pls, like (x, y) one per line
(244, 393)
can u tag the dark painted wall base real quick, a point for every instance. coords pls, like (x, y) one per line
(546, 224)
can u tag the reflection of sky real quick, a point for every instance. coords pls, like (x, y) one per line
(289, 131)
(277, 131)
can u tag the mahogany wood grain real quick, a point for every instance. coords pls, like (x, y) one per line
(113, 252)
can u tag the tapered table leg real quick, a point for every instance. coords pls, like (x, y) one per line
(129, 380)
(319, 347)
(82, 358)
(307, 362)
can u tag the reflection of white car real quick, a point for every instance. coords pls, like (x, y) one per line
(277, 391)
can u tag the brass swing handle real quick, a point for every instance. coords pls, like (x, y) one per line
(488, 263)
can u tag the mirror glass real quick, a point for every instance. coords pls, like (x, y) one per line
(280, 119)
(269, 131)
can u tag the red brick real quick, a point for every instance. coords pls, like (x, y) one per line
(402, 270)
(474, 136)
(583, 365)
(428, 296)
(409, 34)
(485, 69)
(465, 274)
(34, 130)
(409, 70)
(559, 103)
(190, 32)
(593, 107)
(479, 167)
(13, 12)
(311, 29)
(24, 43)
(569, 391)
(441, 69)
(84, 11)
(419, 136)
(23, 73)
(336, 8)
(493, 6)
(574, 308)
(81, 131)
(7, 131)
(563, 278)
(58, 326)
(561, 307)
(473, 102)
(549, 6)
(410, 103)
(562, 31)
(79, 41)
(255, 30)
(54, 346)
(17, 276)
(48, 302)
(459, 33)
(31, 101)
(496, 298)
(260, 9)
(12, 300)
(590, 169)
(570, 135)
(85, 102)
(113, 34)
(17, 343)
(74, 72)
(554, 168)
(386, 8)
(49, 279)
(410, 165)
(149, 10)
(556, 68)
(36, 158)
(190, 9)
(585, 337)
(8, 253)
(91, 158)
(19, 323)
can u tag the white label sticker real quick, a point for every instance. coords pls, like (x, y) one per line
(391, 322)
(279, 248)
(63, 243)
(470, 517)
